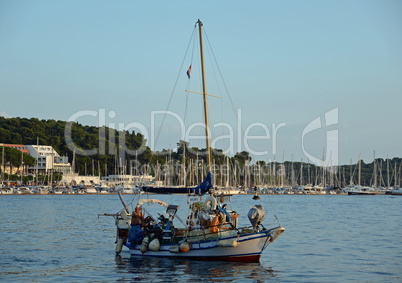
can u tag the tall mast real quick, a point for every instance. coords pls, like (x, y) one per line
(360, 167)
(375, 173)
(331, 174)
(351, 176)
(51, 172)
(170, 164)
(283, 169)
(204, 92)
(301, 172)
(196, 169)
(22, 166)
(292, 175)
(395, 175)
(388, 185)
(273, 171)
(271, 174)
(2, 165)
(37, 160)
(184, 165)
(227, 172)
(73, 165)
(323, 167)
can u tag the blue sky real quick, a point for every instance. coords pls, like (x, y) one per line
(282, 61)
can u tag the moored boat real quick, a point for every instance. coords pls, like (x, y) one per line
(128, 189)
(24, 191)
(396, 192)
(58, 190)
(6, 191)
(362, 191)
(211, 230)
(87, 189)
(167, 190)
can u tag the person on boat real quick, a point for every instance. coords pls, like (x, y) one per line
(224, 214)
(137, 216)
(136, 233)
(215, 222)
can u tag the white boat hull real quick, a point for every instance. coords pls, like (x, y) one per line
(91, 191)
(248, 249)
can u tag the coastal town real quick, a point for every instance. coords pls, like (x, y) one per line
(52, 173)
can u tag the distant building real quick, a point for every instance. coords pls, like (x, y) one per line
(20, 147)
(74, 179)
(12, 169)
(48, 159)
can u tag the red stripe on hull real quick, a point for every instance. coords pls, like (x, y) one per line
(245, 258)
(249, 258)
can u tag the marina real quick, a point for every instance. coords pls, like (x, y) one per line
(235, 191)
(380, 177)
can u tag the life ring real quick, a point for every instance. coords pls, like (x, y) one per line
(213, 202)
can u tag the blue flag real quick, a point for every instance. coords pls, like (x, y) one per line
(205, 185)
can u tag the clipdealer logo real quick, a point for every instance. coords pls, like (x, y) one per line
(236, 139)
(332, 140)
(116, 144)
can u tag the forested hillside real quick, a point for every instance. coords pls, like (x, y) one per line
(50, 132)
(105, 140)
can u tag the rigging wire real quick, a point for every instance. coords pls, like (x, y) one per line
(102, 227)
(224, 84)
(272, 208)
(173, 91)
(209, 49)
(188, 82)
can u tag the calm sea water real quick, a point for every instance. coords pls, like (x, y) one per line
(327, 239)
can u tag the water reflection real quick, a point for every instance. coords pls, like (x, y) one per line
(173, 270)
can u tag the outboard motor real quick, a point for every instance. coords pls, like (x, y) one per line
(256, 215)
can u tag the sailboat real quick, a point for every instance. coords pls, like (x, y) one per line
(361, 190)
(211, 231)
(180, 189)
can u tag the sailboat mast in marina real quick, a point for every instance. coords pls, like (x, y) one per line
(2, 166)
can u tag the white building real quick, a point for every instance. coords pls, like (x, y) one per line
(48, 159)
(74, 179)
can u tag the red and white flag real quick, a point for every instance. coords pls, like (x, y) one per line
(189, 72)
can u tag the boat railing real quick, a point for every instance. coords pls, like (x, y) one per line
(225, 230)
